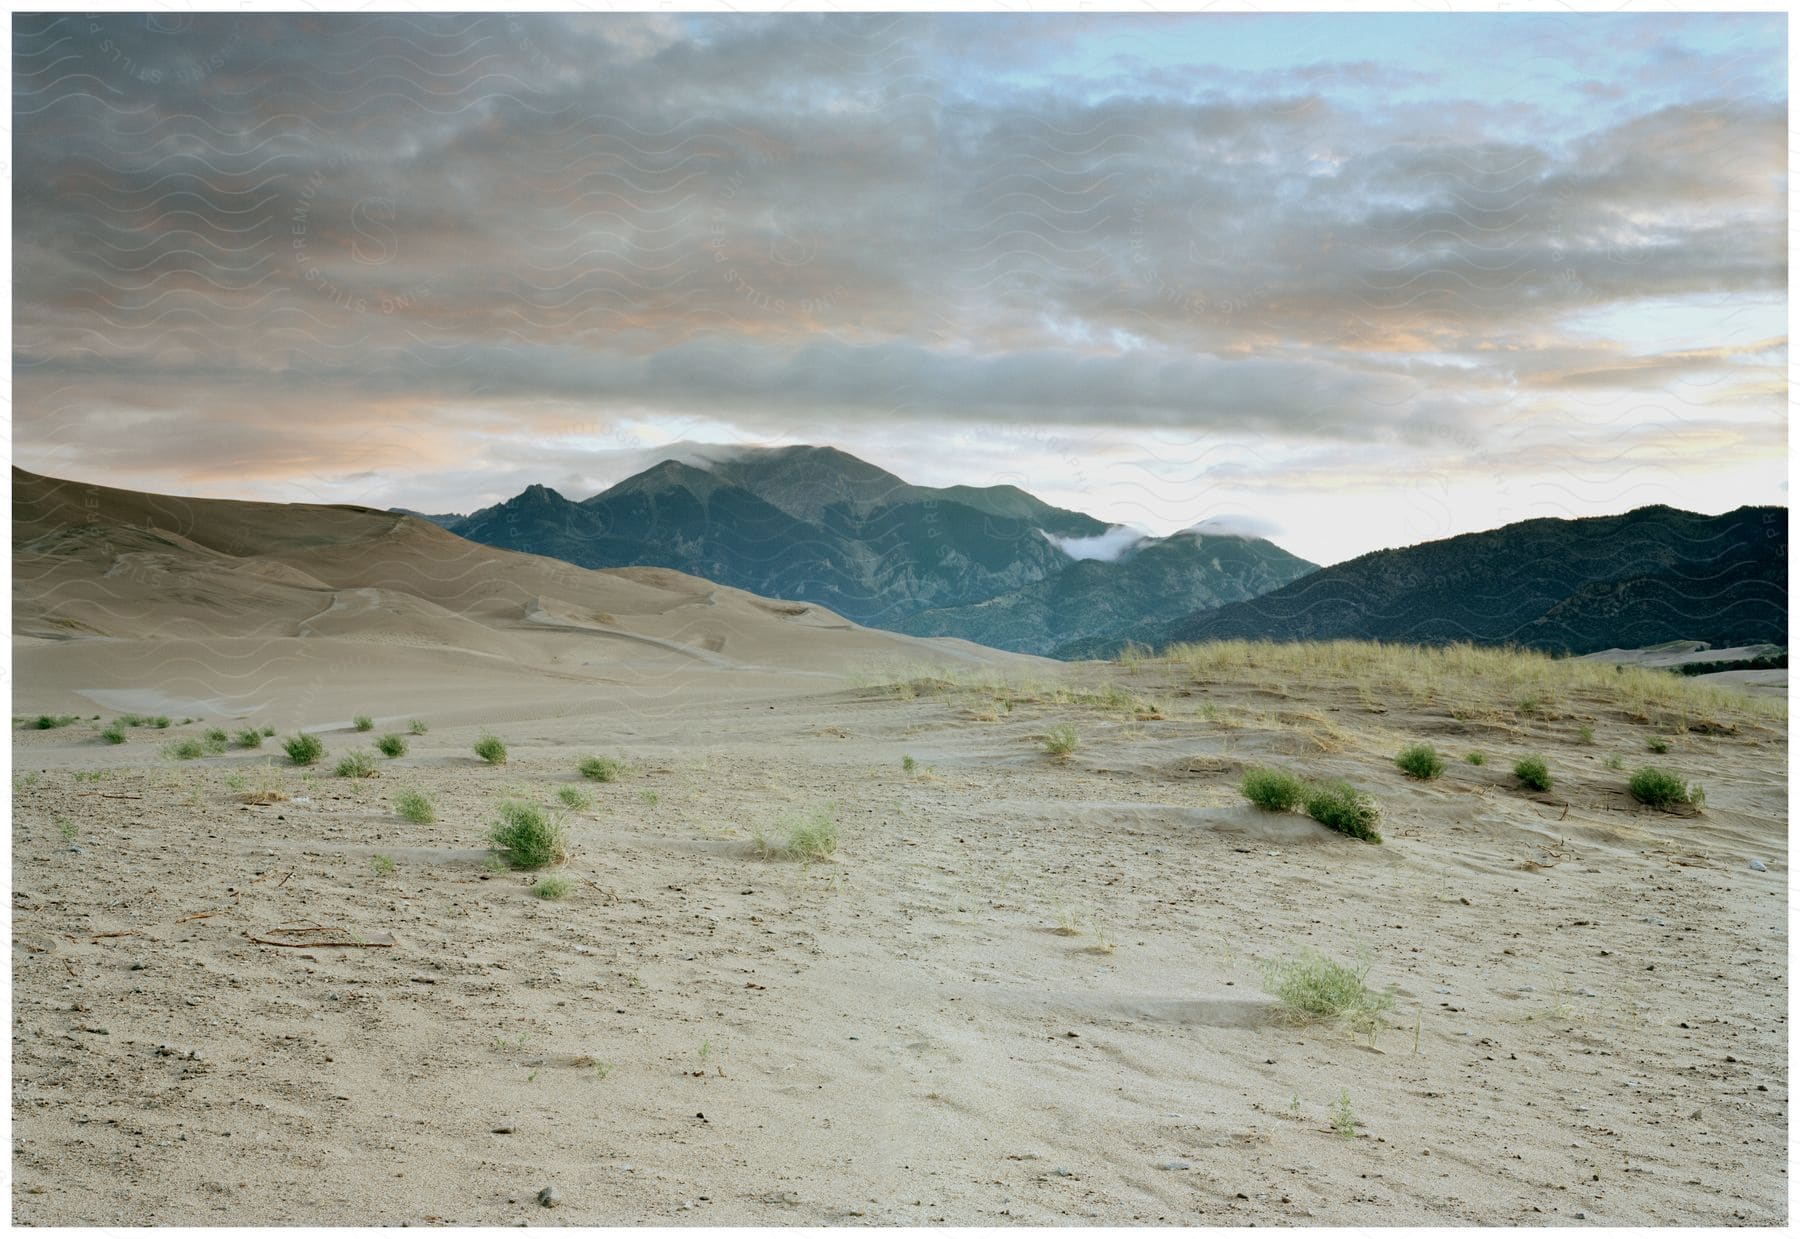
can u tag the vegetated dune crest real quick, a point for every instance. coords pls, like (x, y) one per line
(224, 601)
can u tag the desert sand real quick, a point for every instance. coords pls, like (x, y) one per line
(1022, 991)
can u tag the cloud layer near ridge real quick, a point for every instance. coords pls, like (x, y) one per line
(317, 247)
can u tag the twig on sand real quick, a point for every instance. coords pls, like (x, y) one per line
(198, 916)
(318, 935)
(111, 933)
(113, 795)
(271, 873)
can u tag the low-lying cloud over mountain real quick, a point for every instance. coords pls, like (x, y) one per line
(1156, 267)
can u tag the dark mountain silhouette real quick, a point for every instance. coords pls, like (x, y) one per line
(1652, 575)
(1158, 581)
(816, 524)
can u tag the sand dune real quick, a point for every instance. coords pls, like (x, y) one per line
(1022, 991)
(234, 600)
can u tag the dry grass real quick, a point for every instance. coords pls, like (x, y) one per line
(1474, 681)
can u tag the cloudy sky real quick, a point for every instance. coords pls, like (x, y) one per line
(1357, 281)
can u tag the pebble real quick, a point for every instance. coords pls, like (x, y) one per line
(1063, 1172)
(1759, 866)
(1174, 1165)
(549, 1197)
(506, 1128)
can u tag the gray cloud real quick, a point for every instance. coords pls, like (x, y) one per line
(334, 242)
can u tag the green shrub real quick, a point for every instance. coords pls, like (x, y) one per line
(1313, 987)
(304, 750)
(249, 738)
(417, 726)
(1615, 762)
(364, 723)
(1274, 790)
(1533, 773)
(268, 733)
(1658, 744)
(414, 807)
(1663, 789)
(575, 798)
(382, 865)
(1421, 761)
(1477, 759)
(1341, 807)
(812, 836)
(356, 765)
(49, 722)
(186, 750)
(907, 763)
(216, 740)
(1585, 735)
(603, 769)
(1060, 741)
(529, 837)
(492, 750)
(114, 734)
(160, 722)
(392, 746)
(555, 886)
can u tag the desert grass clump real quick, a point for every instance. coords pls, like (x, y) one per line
(1476, 759)
(304, 750)
(1664, 789)
(415, 807)
(1533, 773)
(364, 723)
(1312, 987)
(1341, 807)
(1277, 791)
(417, 726)
(265, 793)
(50, 722)
(383, 865)
(215, 740)
(528, 837)
(186, 750)
(554, 886)
(1658, 744)
(115, 734)
(810, 837)
(357, 765)
(250, 738)
(1585, 735)
(1060, 741)
(575, 798)
(1421, 761)
(392, 745)
(492, 750)
(603, 769)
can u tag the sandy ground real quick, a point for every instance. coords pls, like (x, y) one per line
(901, 1035)
(1022, 991)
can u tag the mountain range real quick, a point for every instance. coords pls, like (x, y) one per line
(994, 564)
(1652, 575)
(815, 524)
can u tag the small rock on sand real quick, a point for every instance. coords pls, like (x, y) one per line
(549, 1197)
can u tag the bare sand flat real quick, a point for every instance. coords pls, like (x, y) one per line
(1022, 990)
